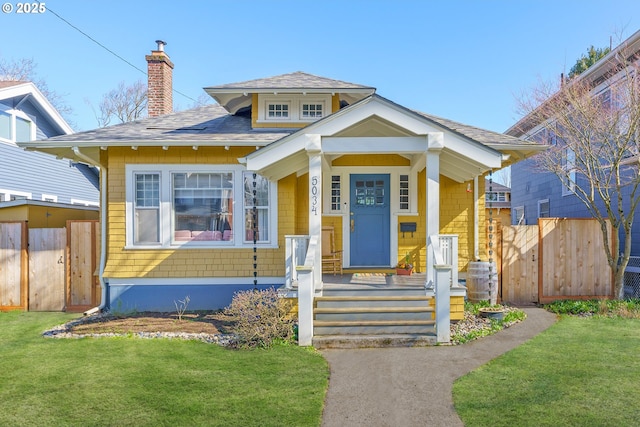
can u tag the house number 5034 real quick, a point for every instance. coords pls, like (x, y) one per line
(314, 195)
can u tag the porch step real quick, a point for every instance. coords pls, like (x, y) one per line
(372, 292)
(371, 301)
(373, 341)
(374, 312)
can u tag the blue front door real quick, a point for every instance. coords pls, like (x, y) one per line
(369, 220)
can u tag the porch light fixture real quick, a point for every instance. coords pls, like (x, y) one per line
(103, 148)
(195, 147)
(134, 147)
(226, 147)
(165, 148)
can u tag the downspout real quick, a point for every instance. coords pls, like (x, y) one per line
(476, 222)
(103, 229)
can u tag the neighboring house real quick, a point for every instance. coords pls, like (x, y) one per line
(536, 193)
(497, 197)
(37, 179)
(189, 195)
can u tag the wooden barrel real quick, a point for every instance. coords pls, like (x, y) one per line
(482, 282)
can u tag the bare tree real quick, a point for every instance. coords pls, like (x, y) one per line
(24, 70)
(124, 104)
(503, 176)
(592, 128)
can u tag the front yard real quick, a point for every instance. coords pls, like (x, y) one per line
(583, 371)
(125, 381)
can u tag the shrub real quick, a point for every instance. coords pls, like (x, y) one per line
(610, 308)
(260, 318)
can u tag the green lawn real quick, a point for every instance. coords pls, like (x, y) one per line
(159, 382)
(580, 372)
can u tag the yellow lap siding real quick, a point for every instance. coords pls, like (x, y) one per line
(456, 306)
(176, 263)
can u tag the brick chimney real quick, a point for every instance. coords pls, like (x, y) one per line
(160, 89)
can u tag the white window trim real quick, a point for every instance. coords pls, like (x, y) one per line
(568, 187)
(394, 184)
(295, 107)
(8, 193)
(84, 202)
(327, 185)
(166, 212)
(268, 102)
(13, 113)
(540, 202)
(522, 220)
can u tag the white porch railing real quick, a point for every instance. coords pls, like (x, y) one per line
(306, 292)
(445, 255)
(295, 253)
(449, 251)
(442, 287)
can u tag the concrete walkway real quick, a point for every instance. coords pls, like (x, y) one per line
(412, 386)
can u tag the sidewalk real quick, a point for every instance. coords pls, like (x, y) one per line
(412, 386)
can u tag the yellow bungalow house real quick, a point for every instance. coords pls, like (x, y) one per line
(233, 196)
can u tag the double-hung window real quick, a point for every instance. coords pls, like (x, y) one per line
(16, 126)
(569, 167)
(147, 208)
(256, 208)
(196, 206)
(543, 208)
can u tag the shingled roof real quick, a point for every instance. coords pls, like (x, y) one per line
(236, 96)
(210, 124)
(477, 134)
(298, 80)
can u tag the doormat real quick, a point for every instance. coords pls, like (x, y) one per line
(370, 274)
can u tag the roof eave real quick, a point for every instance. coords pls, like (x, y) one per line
(43, 104)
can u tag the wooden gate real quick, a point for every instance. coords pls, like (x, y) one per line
(82, 282)
(520, 264)
(46, 268)
(13, 266)
(560, 258)
(49, 269)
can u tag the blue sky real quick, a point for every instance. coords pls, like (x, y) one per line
(468, 61)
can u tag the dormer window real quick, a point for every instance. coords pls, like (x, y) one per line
(290, 109)
(277, 111)
(312, 111)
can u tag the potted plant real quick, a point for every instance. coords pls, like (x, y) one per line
(495, 312)
(404, 268)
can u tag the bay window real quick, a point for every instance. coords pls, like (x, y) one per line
(196, 206)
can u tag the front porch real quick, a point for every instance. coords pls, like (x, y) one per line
(373, 303)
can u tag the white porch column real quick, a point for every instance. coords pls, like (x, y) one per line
(314, 151)
(435, 143)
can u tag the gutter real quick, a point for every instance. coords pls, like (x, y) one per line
(103, 230)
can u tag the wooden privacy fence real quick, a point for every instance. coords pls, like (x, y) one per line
(49, 269)
(560, 258)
